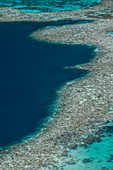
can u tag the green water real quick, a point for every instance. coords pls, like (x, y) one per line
(48, 5)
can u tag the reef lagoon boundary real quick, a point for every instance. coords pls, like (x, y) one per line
(85, 105)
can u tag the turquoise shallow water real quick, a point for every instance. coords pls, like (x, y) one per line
(48, 5)
(97, 156)
(110, 33)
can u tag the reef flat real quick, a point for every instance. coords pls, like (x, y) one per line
(84, 105)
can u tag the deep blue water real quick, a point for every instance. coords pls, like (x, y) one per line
(30, 73)
(48, 5)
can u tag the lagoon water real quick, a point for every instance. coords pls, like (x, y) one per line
(96, 156)
(48, 5)
(30, 73)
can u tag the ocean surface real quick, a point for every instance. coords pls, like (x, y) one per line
(30, 74)
(96, 156)
(48, 5)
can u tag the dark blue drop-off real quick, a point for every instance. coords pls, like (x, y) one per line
(30, 71)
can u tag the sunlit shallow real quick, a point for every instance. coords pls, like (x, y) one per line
(97, 156)
(48, 5)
